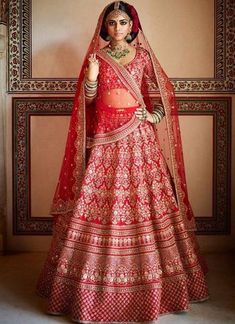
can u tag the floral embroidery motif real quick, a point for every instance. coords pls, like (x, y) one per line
(126, 181)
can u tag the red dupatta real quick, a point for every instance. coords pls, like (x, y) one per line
(73, 165)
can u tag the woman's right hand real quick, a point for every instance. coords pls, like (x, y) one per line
(93, 68)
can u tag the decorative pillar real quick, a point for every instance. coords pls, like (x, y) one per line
(3, 93)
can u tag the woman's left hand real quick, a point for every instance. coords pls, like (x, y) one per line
(143, 115)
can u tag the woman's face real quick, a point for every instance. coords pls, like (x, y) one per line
(118, 27)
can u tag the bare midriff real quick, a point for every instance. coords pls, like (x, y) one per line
(118, 98)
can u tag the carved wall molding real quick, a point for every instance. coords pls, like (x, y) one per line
(20, 56)
(23, 108)
(4, 11)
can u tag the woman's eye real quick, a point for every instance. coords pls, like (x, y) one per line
(113, 23)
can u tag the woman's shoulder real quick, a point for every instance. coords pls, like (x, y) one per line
(101, 51)
(143, 51)
(143, 54)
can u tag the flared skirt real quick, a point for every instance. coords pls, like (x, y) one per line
(123, 255)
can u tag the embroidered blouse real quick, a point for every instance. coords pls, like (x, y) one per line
(114, 104)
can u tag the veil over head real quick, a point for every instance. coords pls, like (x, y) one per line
(74, 162)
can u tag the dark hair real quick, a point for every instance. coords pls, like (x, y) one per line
(130, 11)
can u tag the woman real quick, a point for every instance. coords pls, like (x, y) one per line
(123, 246)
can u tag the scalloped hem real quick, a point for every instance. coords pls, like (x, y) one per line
(181, 311)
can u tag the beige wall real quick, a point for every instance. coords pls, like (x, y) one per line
(182, 35)
(61, 33)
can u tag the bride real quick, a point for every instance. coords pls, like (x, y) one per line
(123, 248)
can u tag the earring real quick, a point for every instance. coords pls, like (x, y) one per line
(128, 37)
(108, 38)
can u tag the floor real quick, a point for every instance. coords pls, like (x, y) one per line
(19, 303)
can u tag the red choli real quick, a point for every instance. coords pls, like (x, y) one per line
(108, 117)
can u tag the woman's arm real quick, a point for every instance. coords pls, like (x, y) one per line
(158, 111)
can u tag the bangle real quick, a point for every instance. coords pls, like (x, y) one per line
(91, 83)
(90, 97)
(90, 89)
(90, 86)
(158, 114)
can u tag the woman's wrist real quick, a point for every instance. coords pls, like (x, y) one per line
(91, 78)
(91, 83)
(158, 114)
(90, 89)
(149, 118)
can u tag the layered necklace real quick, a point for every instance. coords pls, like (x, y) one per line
(117, 51)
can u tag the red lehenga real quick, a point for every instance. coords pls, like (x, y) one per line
(123, 248)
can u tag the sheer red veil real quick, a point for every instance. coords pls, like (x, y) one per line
(74, 162)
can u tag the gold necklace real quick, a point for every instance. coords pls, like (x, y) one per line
(117, 52)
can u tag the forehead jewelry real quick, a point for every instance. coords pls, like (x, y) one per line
(116, 13)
